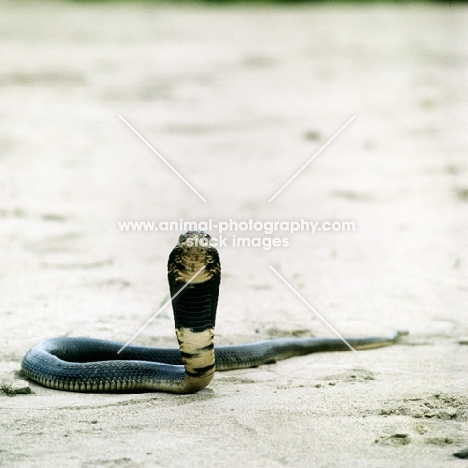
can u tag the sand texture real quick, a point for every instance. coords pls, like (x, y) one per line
(238, 99)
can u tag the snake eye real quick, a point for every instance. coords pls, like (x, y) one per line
(183, 237)
(187, 238)
(205, 235)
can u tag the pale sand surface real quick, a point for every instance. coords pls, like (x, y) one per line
(238, 99)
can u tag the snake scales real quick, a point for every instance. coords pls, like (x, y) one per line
(93, 365)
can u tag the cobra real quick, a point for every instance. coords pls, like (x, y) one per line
(194, 273)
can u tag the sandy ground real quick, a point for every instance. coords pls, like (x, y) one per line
(238, 99)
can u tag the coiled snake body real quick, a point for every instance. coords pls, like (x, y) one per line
(93, 365)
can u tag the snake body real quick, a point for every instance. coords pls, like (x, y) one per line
(194, 273)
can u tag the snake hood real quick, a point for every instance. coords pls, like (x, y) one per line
(194, 274)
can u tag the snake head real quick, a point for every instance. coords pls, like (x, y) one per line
(197, 239)
(192, 252)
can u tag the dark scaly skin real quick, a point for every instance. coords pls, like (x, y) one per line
(93, 365)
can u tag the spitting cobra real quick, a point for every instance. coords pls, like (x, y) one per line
(194, 273)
